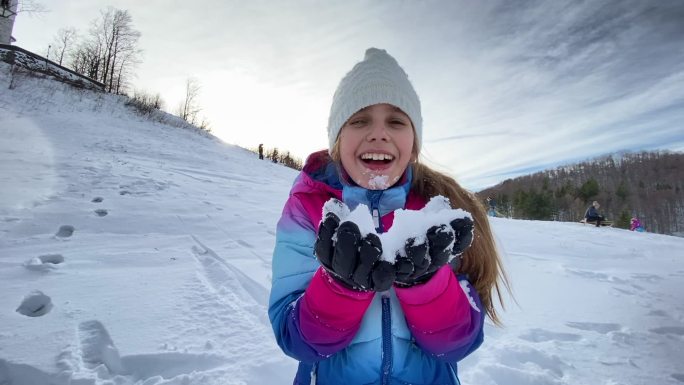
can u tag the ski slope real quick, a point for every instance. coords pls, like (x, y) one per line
(133, 252)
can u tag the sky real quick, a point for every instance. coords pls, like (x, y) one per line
(507, 88)
(127, 259)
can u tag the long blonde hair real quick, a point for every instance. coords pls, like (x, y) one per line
(481, 262)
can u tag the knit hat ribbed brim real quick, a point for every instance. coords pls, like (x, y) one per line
(375, 80)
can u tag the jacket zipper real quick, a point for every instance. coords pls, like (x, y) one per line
(374, 200)
(386, 341)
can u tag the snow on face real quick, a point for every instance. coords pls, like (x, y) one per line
(379, 182)
(407, 223)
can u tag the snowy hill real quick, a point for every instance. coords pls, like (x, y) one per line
(136, 253)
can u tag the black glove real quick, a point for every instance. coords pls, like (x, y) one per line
(352, 259)
(422, 261)
(463, 238)
(463, 235)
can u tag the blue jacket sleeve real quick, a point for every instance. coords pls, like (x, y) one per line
(293, 267)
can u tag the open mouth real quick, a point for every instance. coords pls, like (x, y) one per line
(374, 160)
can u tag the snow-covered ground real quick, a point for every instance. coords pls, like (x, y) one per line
(136, 253)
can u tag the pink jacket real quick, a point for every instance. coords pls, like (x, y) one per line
(407, 335)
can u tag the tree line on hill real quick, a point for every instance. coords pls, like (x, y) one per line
(108, 53)
(276, 156)
(647, 185)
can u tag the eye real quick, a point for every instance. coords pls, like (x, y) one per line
(357, 121)
(398, 122)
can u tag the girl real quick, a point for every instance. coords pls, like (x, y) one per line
(389, 324)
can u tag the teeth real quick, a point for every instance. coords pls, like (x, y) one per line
(375, 156)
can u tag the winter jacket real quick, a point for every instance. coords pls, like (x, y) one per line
(591, 213)
(342, 336)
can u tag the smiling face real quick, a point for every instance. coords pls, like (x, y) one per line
(376, 145)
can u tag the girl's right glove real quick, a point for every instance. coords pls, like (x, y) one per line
(352, 259)
(423, 260)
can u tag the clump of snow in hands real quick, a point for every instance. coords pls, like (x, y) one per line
(407, 223)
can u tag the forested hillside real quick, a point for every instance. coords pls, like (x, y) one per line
(647, 185)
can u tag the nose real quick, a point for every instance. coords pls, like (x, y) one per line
(378, 131)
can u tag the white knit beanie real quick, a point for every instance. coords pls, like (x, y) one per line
(377, 79)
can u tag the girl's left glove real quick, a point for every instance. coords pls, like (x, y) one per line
(443, 243)
(350, 258)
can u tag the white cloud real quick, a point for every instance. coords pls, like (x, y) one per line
(514, 86)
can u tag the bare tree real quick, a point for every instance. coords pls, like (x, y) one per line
(62, 43)
(85, 59)
(110, 52)
(189, 107)
(124, 69)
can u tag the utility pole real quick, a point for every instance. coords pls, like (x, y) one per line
(47, 57)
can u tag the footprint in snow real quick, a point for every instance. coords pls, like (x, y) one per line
(65, 231)
(169, 365)
(599, 327)
(101, 212)
(97, 347)
(35, 304)
(676, 330)
(514, 366)
(541, 335)
(44, 262)
(244, 244)
(624, 291)
(657, 313)
(652, 278)
(97, 200)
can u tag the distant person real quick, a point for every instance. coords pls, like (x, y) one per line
(592, 214)
(635, 225)
(347, 316)
(261, 151)
(492, 207)
(274, 156)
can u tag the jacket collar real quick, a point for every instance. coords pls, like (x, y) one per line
(326, 175)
